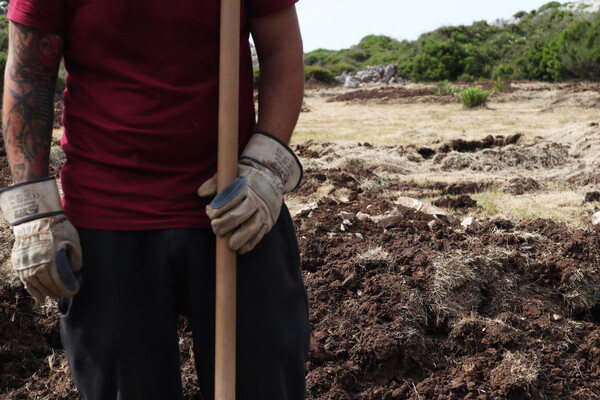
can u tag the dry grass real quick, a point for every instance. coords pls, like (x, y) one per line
(519, 370)
(394, 124)
(558, 150)
(462, 283)
(373, 258)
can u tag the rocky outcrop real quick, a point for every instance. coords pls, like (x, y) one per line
(581, 6)
(378, 75)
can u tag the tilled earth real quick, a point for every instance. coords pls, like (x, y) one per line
(405, 303)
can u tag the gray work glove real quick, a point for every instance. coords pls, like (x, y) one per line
(46, 250)
(249, 207)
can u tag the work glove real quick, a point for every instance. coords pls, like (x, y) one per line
(249, 207)
(46, 252)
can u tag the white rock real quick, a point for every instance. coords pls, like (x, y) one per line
(362, 216)
(351, 82)
(347, 215)
(426, 208)
(410, 203)
(470, 222)
(596, 219)
(433, 223)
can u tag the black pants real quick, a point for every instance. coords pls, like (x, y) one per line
(120, 333)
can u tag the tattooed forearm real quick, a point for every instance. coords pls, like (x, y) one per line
(28, 111)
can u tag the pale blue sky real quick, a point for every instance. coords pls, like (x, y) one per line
(339, 24)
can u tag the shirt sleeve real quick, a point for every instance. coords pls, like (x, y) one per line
(46, 15)
(261, 8)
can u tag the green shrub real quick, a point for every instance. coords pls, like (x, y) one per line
(543, 61)
(256, 77)
(474, 97)
(318, 73)
(499, 86)
(503, 71)
(466, 78)
(547, 6)
(520, 14)
(445, 88)
(2, 61)
(60, 86)
(580, 50)
(340, 68)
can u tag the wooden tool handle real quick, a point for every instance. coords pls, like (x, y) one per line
(225, 321)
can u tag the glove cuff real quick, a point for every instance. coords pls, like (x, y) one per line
(31, 200)
(269, 151)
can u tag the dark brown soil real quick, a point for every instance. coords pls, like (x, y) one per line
(469, 146)
(394, 95)
(378, 335)
(592, 196)
(386, 326)
(462, 202)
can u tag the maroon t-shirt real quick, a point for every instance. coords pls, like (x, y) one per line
(140, 115)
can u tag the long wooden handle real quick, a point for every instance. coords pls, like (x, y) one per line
(229, 73)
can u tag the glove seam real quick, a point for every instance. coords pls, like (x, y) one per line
(18, 185)
(39, 216)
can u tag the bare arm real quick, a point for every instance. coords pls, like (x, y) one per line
(28, 103)
(279, 47)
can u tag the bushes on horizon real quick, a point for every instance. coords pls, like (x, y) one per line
(580, 50)
(318, 73)
(548, 6)
(340, 68)
(437, 61)
(548, 44)
(503, 71)
(543, 61)
(474, 97)
(573, 53)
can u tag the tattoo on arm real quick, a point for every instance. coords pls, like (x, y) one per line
(28, 112)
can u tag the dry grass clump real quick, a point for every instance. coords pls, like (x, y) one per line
(463, 283)
(581, 289)
(374, 258)
(546, 156)
(517, 373)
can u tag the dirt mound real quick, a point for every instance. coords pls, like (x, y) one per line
(577, 95)
(394, 95)
(437, 313)
(462, 202)
(521, 185)
(464, 146)
(592, 196)
(566, 95)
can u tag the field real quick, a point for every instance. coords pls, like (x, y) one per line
(407, 303)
